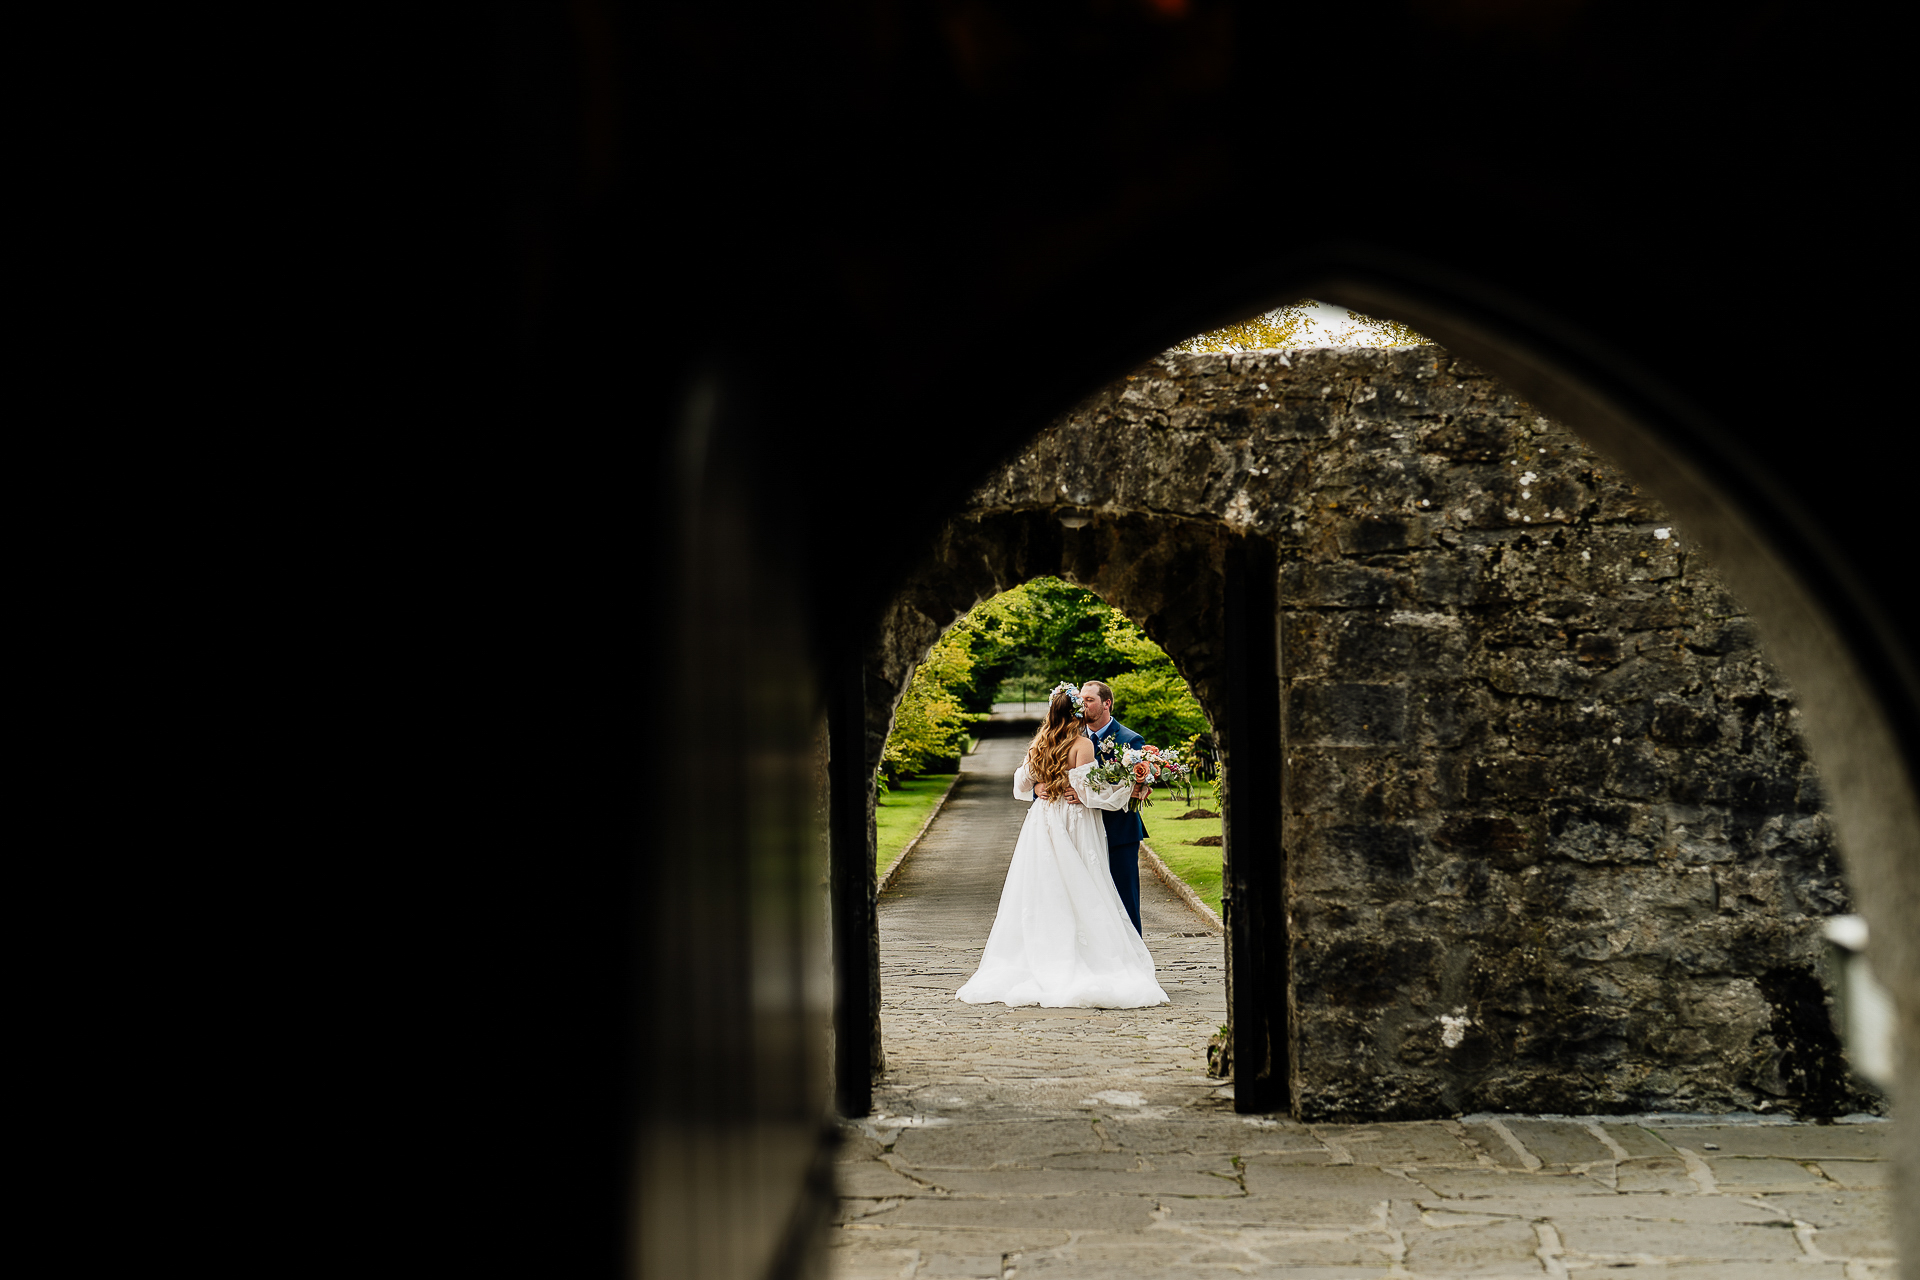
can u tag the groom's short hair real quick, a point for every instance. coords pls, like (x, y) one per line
(1100, 687)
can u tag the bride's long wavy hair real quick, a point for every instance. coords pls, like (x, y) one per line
(1052, 751)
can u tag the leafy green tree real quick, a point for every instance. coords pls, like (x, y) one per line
(1125, 638)
(997, 631)
(1282, 327)
(1066, 631)
(1156, 704)
(931, 723)
(1150, 697)
(1042, 632)
(1305, 323)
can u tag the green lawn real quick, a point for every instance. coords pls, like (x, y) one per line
(902, 810)
(1173, 841)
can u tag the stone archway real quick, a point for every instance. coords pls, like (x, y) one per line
(1164, 572)
(1544, 838)
(1167, 573)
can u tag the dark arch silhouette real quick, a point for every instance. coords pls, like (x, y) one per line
(908, 194)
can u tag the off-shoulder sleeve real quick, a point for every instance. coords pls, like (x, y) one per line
(1096, 797)
(1022, 783)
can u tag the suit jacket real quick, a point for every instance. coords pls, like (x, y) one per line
(1122, 827)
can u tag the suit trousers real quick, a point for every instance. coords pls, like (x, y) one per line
(1123, 864)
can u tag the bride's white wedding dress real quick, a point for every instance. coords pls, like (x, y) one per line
(1062, 938)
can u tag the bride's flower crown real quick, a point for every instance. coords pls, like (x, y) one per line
(1073, 692)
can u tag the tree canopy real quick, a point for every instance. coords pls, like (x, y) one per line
(1031, 638)
(931, 721)
(1305, 323)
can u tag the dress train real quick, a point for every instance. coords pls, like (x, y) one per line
(1061, 938)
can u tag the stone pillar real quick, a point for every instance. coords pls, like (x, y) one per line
(1255, 908)
(856, 970)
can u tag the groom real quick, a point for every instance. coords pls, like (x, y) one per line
(1125, 830)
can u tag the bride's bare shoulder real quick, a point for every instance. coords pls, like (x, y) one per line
(1082, 752)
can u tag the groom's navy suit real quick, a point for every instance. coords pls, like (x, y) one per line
(1125, 830)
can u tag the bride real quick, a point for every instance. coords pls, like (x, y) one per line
(1062, 938)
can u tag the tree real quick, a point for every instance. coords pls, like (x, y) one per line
(1150, 698)
(1044, 630)
(1069, 631)
(931, 723)
(1305, 323)
(1156, 704)
(1283, 327)
(997, 632)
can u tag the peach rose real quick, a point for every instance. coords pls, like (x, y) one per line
(1141, 772)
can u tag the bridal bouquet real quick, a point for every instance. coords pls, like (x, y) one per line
(1149, 765)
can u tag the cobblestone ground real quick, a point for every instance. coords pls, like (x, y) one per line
(1068, 1143)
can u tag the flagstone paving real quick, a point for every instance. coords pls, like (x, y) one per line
(1016, 1144)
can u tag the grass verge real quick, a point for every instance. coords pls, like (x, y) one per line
(900, 813)
(1173, 840)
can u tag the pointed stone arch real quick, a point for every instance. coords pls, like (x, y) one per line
(1163, 572)
(1544, 836)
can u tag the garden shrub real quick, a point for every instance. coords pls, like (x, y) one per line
(1042, 632)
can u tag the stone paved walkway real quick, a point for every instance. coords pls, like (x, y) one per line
(1070, 1143)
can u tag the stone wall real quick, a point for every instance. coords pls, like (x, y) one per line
(1553, 842)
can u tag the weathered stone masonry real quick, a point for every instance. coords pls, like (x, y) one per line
(1553, 841)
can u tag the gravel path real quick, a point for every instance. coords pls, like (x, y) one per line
(982, 1060)
(1089, 1144)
